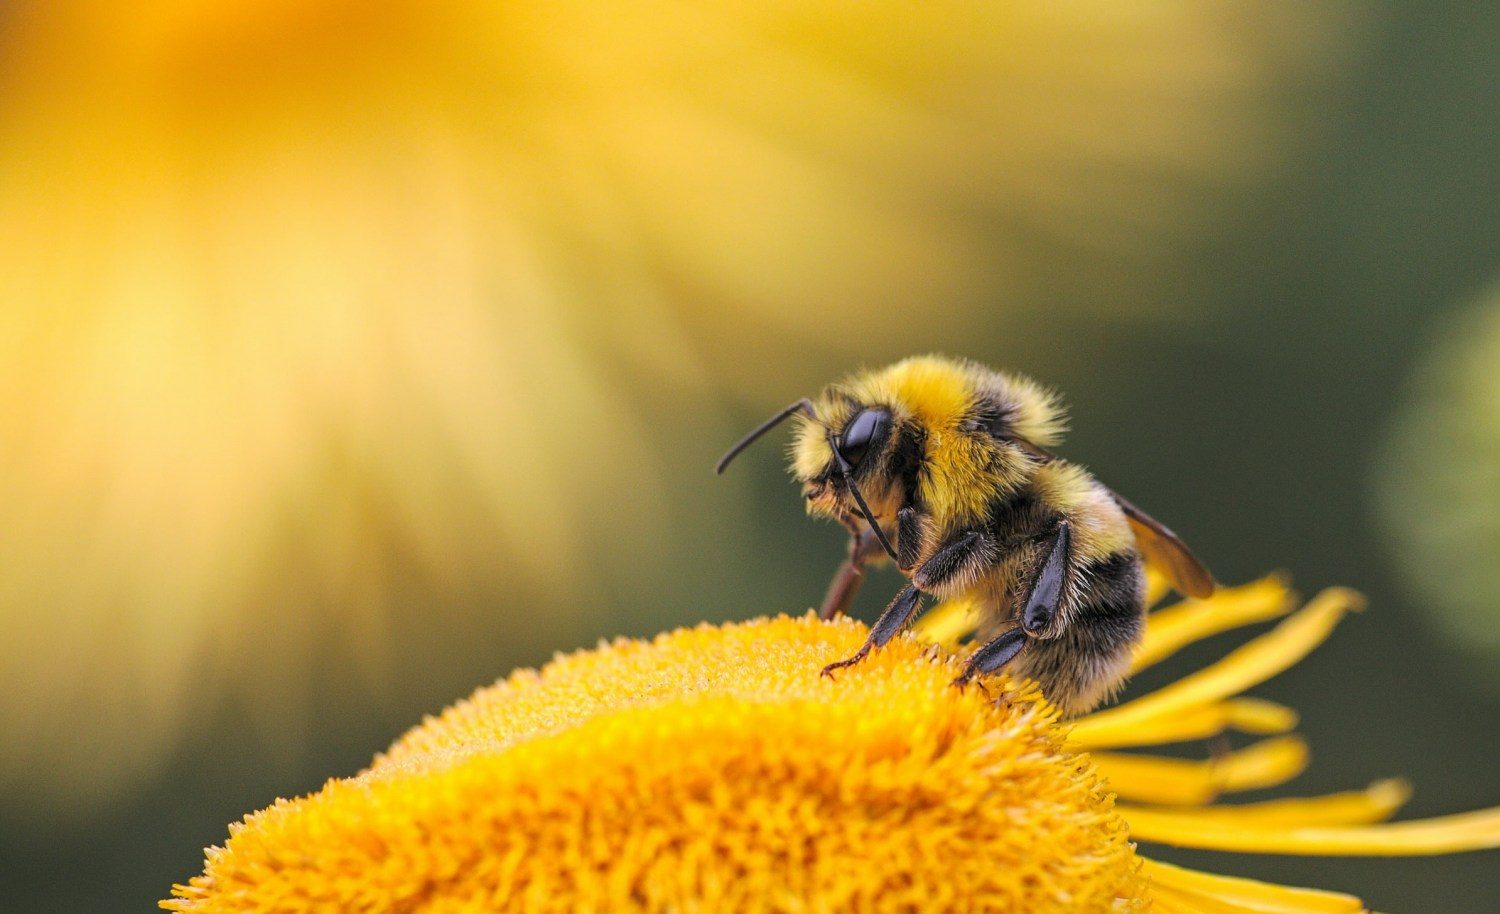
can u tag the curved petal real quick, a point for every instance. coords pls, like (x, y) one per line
(1469, 831)
(1247, 715)
(1244, 667)
(1191, 890)
(1173, 628)
(1185, 782)
(1375, 803)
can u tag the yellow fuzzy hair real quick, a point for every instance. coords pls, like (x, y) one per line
(941, 394)
(1099, 526)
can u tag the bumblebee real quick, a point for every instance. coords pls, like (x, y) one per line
(942, 466)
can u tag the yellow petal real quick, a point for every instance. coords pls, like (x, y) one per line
(1157, 585)
(1443, 835)
(1186, 782)
(1248, 715)
(1169, 630)
(1375, 803)
(948, 622)
(1191, 890)
(1246, 666)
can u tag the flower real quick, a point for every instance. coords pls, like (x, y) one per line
(325, 310)
(713, 769)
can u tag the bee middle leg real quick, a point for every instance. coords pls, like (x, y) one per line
(947, 563)
(885, 628)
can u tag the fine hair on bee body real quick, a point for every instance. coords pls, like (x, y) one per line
(942, 466)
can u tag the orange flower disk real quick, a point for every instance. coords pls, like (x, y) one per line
(712, 769)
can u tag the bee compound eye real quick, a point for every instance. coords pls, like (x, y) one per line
(863, 430)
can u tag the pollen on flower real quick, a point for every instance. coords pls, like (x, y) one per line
(709, 769)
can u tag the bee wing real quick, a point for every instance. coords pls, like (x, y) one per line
(1162, 548)
(1158, 545)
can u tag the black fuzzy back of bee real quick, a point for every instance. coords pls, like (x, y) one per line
(1113, 603)
(1019, 516)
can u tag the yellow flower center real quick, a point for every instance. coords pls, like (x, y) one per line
(710, 769)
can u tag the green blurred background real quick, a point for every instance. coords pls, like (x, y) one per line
(352, 355)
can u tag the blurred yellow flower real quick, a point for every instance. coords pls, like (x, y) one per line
(713, 769)
(313, 306)
(1438, 486)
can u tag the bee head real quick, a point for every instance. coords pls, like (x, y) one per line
(845, 467)
(942, 435)
(865, 434)
(827, 457)
(835, 460)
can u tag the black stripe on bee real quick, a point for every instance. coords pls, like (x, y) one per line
(1113, 605)
(908, 455)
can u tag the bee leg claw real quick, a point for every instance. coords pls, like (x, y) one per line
(839, 665)
(965, 678)
(886, 627)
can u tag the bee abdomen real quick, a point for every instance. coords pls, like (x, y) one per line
(1089, 658)
(1113, 598)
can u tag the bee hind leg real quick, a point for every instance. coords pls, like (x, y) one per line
(1038, 612)
(996, 653)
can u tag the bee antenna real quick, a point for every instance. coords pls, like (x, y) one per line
(803, 405)
(860, 500)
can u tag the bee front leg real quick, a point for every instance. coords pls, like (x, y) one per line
(957, 558)
(845, 584)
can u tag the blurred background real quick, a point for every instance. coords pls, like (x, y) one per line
(353, 354)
